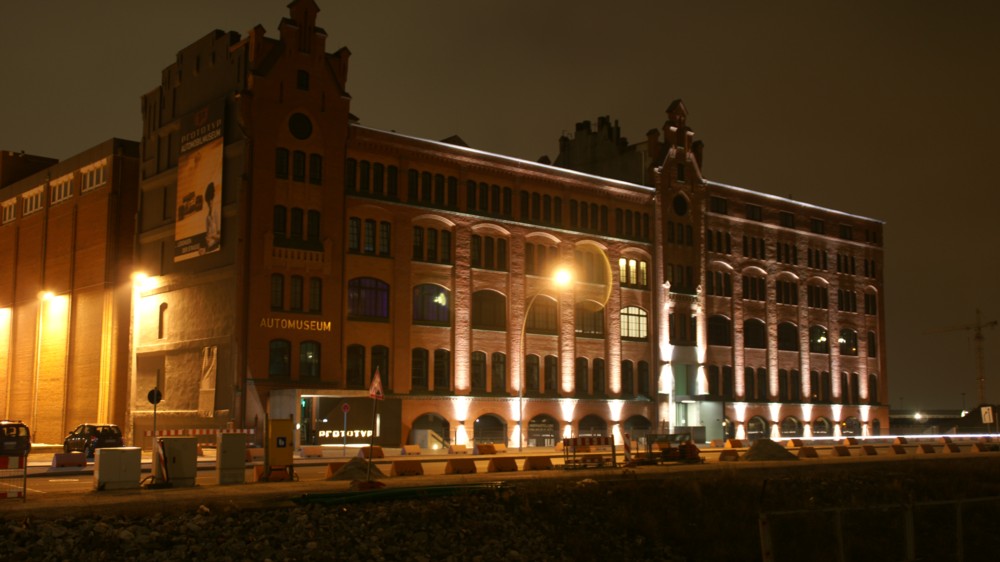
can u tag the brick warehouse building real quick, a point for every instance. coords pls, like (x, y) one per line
(66, 239)
(287, 252)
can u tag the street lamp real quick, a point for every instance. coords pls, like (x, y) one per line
(561, 278)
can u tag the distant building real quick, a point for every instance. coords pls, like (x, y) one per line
(288, 253)
(66, 241)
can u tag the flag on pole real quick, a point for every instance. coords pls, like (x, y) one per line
(375, 390)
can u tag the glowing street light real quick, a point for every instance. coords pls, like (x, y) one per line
(561, 278)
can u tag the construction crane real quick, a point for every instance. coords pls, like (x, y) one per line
(977, 337)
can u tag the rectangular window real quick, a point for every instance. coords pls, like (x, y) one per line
(315, 295)
(816, 226)
(378, 179)
(298, 166)
(445, 246)
(369, 236)
(392, 182)
(846, 232)
(755, 213)
(302, 80)
(32, 201)
(281, 166)
(384, 238)
(432, 243)
(475, 252)
(9, 211)
(295, 295)
(718, 205)
(786, 219)
(354, 235)
(93, 176)
(418, 243)
(61, 189)
(315, 169)
(350, 173)
(277, 291)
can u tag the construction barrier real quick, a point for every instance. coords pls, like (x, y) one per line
(371, 452)
(460, 466)
(61, 460)
(537, 463)
(573, 445)
(14, 477)
(407, 468)
(502, 464)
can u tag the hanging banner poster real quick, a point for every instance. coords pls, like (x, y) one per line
(199, 184)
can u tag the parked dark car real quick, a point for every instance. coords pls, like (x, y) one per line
(15, 439)
(91, 436)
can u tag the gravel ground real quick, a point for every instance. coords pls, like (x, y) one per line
(484, 525)
(616, 515)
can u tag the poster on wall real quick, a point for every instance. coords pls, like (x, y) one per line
(199, 184)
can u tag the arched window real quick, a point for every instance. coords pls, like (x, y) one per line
(855, 389)
(442, 370)
(309, 359)
(821, 427)
(848, 342)
(788, 337)
(589, 322)
(355, 366)
(582, 376)
(873, 389)
(851, 426)
(551, 374)
(280, 359)
(431, 305)
(818, 341)
(478, 371)
(791, 427)
(845, 390)
(531, 373)
(642, 379)
(720, 330)
(367, 299)
(872, 345)
(754, 334)
(628, 379)
(499, 373)
(542, 316)
(749, 385)
(489, 310)
(599, 377)
(757, 428)
(418, 369)
(782, 385)
(634, 326)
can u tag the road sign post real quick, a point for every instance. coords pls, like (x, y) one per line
(375, 391)
(345, 407)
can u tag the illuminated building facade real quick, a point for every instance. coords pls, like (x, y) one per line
(285, 253)
(66, 240)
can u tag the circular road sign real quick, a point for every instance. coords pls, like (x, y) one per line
(345, 407)
(154, 396)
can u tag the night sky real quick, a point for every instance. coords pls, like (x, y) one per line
(887, 109)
